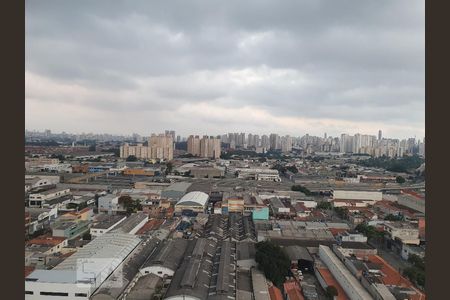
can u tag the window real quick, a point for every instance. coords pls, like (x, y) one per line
(54, 294)
(29, 293)
(80, 295)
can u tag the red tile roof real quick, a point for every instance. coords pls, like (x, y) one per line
(330, 280)
(28, 270)
(293, 290)
(150, 225)
(46, 240)
(275, 293)
(393, 277)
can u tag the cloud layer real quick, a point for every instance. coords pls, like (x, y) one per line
(211, 67)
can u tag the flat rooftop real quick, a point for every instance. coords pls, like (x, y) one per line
(107, 221)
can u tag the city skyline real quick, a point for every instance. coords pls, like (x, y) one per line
(149, 133)
(318, 65)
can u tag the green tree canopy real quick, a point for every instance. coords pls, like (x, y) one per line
(273, 261)
(400, 179)
(132, 158)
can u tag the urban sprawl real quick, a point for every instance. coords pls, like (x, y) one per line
(234, 216)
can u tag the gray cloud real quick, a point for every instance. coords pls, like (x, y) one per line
(319, 62)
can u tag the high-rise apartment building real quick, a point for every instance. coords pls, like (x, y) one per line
(274, 140)
(193, 145)
(286, 144)
(210, 147)
(265, 142)
(380, 136)
(171, 133)
(159, 147)
(204, 147)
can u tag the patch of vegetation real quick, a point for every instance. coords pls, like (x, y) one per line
(324, 205)
(132, 158)
(391, 217)
(416, 273)
(304, 190)
(400, 179)
(331, 291)
(369, 231)
(273, 261)
(342, 212)
(129, 204)
(404, 164)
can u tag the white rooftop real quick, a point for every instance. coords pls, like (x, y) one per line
(199, 198)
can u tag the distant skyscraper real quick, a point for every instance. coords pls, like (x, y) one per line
(193, 145)
(274, 141)
(159, 147)
(171, 133)
(325, 135)
(379, 135)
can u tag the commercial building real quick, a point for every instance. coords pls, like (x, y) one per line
(259, 174)
(193, 201)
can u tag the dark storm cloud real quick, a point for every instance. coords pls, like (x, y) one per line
(348, 61)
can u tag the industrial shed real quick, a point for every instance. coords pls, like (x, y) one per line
(193, 201)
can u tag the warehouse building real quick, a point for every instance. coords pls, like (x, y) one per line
(82, 273)
(351, 286)
(191, 280)
(167, 259)
(194, 201)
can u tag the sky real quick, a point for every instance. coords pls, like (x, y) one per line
(213, 67)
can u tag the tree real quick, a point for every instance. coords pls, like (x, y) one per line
(132, 158)
(302, 189)
(341, 212)
(293, 169)
(87, 236)
(169, 168)
(273, 261)
(324, 205)
(331, 291)
(369, 231)
(400, 179)
(391, 217)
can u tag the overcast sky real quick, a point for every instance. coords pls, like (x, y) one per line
(211, 67)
